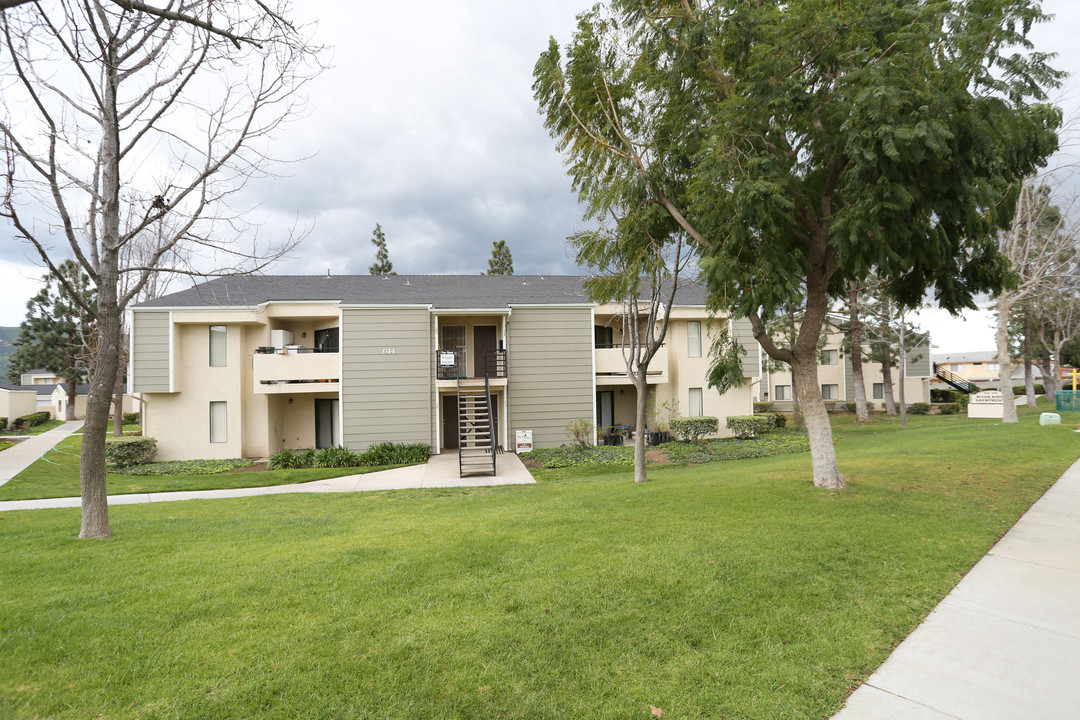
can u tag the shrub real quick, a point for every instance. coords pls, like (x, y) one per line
(307, 458)
(944, 395)
(571, 456)
(3, 424)
(762, 407)
(919, 408)
(949, 408)
(748, 426)
(694, 428)
(336, 457)
(29, 421)
(127, 451)
(849, 407)
(1022, 389)
(130, 419)
(388, 453)
(580, 431)
(185, 467)
(781, 420)
(286, 459)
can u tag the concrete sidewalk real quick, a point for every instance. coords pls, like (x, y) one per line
(1005, 643)
(441, 471)
(26, 452)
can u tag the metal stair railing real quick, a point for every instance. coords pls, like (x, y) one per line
(954, 380)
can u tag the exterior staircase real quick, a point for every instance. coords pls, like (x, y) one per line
(955, 380)
(477, 444)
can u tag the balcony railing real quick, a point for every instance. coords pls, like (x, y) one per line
(454, 364)
(611, 366)
(280, 372)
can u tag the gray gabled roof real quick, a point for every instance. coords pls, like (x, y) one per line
(966, 357)
(39, 389)
(447, 292)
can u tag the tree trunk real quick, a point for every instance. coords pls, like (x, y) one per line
(822, 452)
(1050, 383)
(862, 413)
(118, 397)
(1029, 376)
(1005, 366)
(640, 436)
(902, 371)
(95, 506)
(886, 382)
(72, 394)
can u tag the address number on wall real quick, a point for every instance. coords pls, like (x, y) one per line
(389, 351)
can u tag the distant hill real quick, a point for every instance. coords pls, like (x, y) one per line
(7, 337)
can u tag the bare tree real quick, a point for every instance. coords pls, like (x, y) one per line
(167, 112)
(1036, 247)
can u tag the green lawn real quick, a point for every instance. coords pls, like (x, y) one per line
(725, 590)
(57, 475)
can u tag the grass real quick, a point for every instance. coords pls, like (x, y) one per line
(35, 430)
(57, 475)
(5, 444)
(729, 589)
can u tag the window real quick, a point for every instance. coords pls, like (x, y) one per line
(830, 392)
(602, 336)
(879, 391)
(830, 357)
(326, 341)
(218, 336)
(693, 338)
(218, 422)
(696, 409)
(783, 392)
(956, 367)
(992, 366)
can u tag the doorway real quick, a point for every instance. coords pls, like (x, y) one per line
(450, 422)
(484, 341)
(326, 412)
(605, 410)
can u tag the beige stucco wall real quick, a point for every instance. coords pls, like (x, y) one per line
(16, 403)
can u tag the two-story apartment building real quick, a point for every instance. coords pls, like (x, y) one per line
(838, 379)
(246, 366)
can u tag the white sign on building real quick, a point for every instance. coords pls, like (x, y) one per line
(524, 441)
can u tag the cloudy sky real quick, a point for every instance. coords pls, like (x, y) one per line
(426, 124)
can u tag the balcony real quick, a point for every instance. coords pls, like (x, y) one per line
(611, 367)
(296, 372)
(452, 366)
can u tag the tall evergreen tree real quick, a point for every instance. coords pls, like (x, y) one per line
(382, 265)
(56, 334)
(500, 262)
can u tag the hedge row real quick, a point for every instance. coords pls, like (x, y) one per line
(694, 428)
(377, 455)
(29, 421)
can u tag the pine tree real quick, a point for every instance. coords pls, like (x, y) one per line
(56, 332)
(382, 265)
(500, 262)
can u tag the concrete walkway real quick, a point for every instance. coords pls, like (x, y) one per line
(441, 471)
(1005, 643)
(26, 452)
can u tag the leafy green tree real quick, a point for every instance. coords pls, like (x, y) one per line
(500, 262)
(801, 144)
(382, 265)
(58, 330)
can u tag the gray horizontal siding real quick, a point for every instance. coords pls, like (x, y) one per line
(918, 361)
(385, 397)
(742, 332)
(550, 368)
(150, 351)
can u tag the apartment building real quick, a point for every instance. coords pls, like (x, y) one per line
(838, 380)
(247, 366)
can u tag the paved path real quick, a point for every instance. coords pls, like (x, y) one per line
(1005, 643)
(441, 471)
(24, 454)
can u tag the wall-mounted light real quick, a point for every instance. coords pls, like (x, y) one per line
(290, 401)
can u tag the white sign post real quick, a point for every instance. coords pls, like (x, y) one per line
(987, 404)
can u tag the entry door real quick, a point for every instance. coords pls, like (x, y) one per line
(605, 410)
(483, 341)
(450, 422)
(326, 412)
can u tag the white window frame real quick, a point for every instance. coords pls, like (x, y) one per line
(878, 391)
(221, 357)
(693, 338)
(830, 395)
(697, 402)
(830, 357)
(781, 392)
(219, 429)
